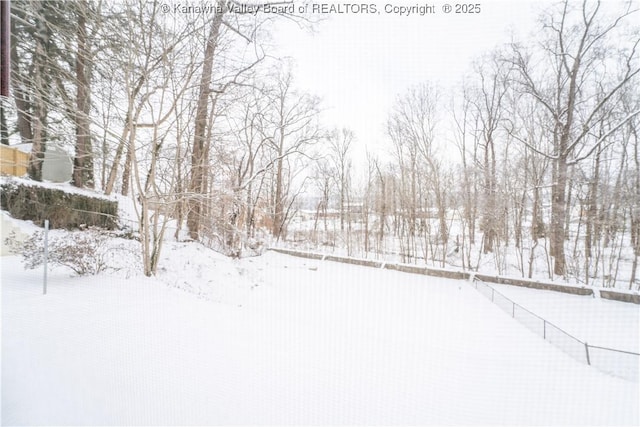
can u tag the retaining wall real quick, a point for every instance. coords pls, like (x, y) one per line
(535, 284)
(620, 296)
(354, 261)
(463, 275)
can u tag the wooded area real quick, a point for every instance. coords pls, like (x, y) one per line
(536, 153)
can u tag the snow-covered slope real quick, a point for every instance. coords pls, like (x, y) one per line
(282, 340)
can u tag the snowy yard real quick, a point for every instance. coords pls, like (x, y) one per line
(150, 138)
(283, 340)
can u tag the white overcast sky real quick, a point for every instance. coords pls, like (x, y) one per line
(359, 63)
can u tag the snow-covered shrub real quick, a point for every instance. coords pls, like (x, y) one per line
(254, 246)
(85, 252)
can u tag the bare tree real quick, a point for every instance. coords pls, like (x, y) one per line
(293, 122)
(141, 57)
(411, 127)
(209, 94)
(323, 176)
(339, 144)
(560, 79)
(33, 36)
(199, 153)
(488, 110)
(83, 161)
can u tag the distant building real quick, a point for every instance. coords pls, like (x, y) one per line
(354, 207)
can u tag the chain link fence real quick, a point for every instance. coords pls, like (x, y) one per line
(619, 363)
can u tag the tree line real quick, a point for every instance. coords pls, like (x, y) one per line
(530, 164)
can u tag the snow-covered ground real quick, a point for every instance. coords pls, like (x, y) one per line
(593, 320)
(282, 340)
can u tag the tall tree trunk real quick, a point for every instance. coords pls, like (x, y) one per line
(38, 125)
(113, 171)
(537, 226)
(23, 107)
(4, 134)
(129, 121)
(128, 163)
(198, 159)
(490, 207)
(5, 68)
(611, 221)
(83, 161)
(591, 232)
(383, 210)
(278, 212)
(5, 55)
(558, 212)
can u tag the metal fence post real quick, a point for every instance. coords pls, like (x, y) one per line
(46, 255)
(586, 347)
(513, 310)
(544, 329)
(492, 291)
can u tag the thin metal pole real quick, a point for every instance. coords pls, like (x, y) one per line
(544, 329)
(513, 310)
(586, 347)
(46, 254)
